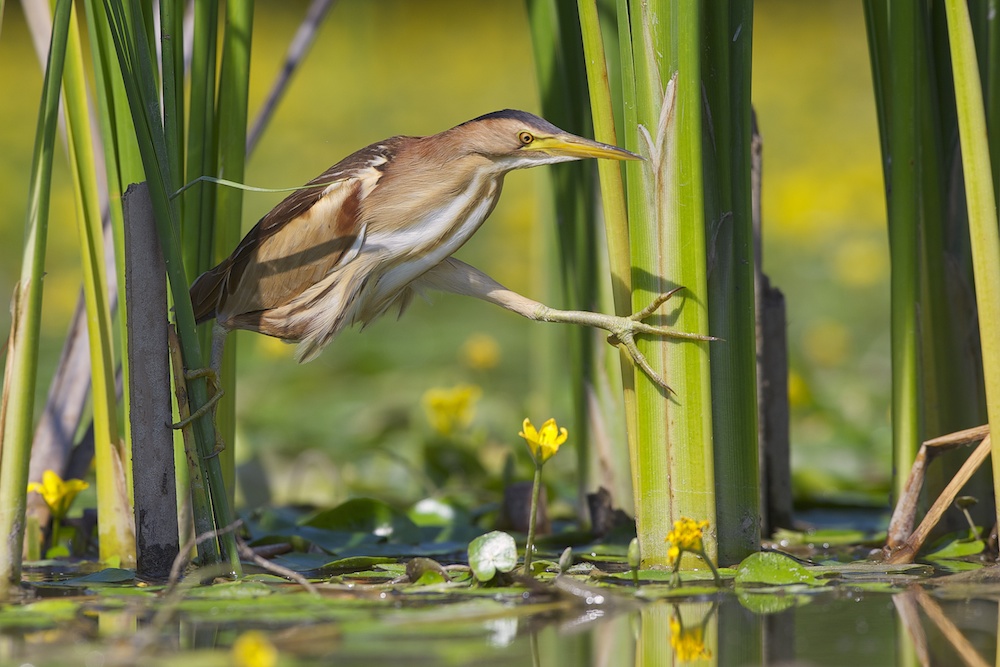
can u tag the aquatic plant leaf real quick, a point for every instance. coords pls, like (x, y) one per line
(111, 575)
(426, 571)
(354, 564)
(302, 563)
(232, 590)
(491, 553)
(437, 512)
(773, 568)
(827, 537)
(771, 603)
(957, 548)
(859, 569)
(44, 613)
(953, 566)
(363, 515)
(396, 550)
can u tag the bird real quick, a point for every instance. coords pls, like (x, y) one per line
(381, 225)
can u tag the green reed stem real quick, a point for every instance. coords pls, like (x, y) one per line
(231, 130)
(673, 467)
(18, 398)
(727, 76)
(981, 202)
(115, 523)
(612, 195)
(903, 208)
(213, 512)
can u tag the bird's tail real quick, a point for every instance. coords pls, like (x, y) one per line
(205, 293)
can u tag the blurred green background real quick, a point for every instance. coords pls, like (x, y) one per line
(347, 423)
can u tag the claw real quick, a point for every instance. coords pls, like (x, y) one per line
(657, 302)
(639, 359)
(626, 337)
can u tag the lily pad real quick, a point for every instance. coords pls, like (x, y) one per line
(363, 515)
(957, 549)
(775, 569)
(355, 564)
(491, 553)
(111, 575)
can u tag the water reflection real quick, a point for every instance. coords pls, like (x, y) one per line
(843, 626)
(855, 625)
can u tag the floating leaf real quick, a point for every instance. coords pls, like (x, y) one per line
(44, 613)
(771, 603)
(773, 568)
(355, 564)
(491, 553)
(826, 537)
(111, 575)
(957, 548)
(232, 590)
(363, 515)
(436, 512)
(426, 571)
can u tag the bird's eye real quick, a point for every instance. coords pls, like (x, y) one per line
(525, 138)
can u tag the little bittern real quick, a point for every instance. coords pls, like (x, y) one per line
(381, 225)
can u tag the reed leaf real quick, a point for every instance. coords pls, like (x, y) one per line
(673, 467)
(16, 425)
(727, 75)
(231, 130)
(615, 213)
(115, 525)
(981, 203)
(562, 82)
(903, 208)
(199, 202)
(211, 509)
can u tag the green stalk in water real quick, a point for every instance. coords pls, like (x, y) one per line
(17, 402)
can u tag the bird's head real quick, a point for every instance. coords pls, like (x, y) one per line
(517, 139)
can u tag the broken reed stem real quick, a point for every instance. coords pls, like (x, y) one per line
(904, 516)
(911, 546)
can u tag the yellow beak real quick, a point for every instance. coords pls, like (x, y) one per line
(570, 145)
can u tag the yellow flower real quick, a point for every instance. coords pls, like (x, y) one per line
(449, 409)
(688, 645)
(56, 493)
(481, 352)
(543, 444)
(685, 536)
(253, 649)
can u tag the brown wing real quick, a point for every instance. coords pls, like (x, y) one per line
(296, 244)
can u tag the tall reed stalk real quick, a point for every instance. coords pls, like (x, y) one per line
(231, 123)
(938, 362)
(613, 203)
(674, 466)
(115, 526)
(212, 508)
(981, 203)
(688, 202)
(902, 206)
(587, 248)
(726, 62)
(18, 398)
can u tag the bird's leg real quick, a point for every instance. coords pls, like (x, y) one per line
(458, 277)
(213, 378)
